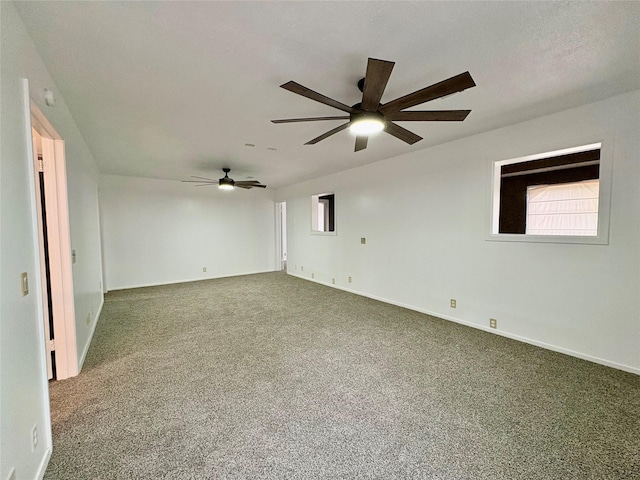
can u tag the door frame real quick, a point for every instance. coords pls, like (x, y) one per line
(281, 236)
(59, 236)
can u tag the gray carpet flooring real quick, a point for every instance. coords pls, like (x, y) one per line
(272, 377)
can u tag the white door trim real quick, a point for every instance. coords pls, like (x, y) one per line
(281, 236)
(60, 262)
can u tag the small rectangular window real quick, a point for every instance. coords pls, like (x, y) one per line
(551, 195)
(323, 213)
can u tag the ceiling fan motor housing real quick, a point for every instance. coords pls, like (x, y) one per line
(364, 115)
(226, 181)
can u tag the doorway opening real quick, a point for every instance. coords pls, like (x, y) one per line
(281, 227)
(43, 235)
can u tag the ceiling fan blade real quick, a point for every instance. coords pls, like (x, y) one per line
(212, 182)
(318, 97)
(446, 87)
(312, 119)
(248, 184)
(375, 81)
(361, 142)
(429, 116)
(401, 133)
(205, 178)
(327, 134)
(247, 187)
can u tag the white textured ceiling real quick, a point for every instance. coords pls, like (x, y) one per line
(172, 89)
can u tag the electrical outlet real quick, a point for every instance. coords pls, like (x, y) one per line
(73, 256)
(204, 269)
(349, 279)
(34, 438)
(453, 303)
(363, 240)
(313, 275)
(302, 267)
(493, 323)
(12, 474)
(333, 280)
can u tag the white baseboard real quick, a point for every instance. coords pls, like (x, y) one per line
(537, 343)
(94, 324)
(157, 284)
(43, 464)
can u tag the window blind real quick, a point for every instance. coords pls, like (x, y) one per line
(563, 209)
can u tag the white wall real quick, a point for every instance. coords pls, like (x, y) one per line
(425, 216)
(24, 399)
(159, 231)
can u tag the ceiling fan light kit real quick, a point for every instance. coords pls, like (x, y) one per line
(225, 184)
(371, 116)
(366, 123)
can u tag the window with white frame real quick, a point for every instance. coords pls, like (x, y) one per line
(323, 213)
(552, 195)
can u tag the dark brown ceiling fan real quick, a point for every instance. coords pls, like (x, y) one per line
(373, 114)
(225, 183)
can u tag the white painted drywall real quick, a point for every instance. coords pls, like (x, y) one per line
(82, 184)
(24, 399)
(159, 231)
(425, 216)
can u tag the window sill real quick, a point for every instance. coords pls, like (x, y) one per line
(578, 240)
